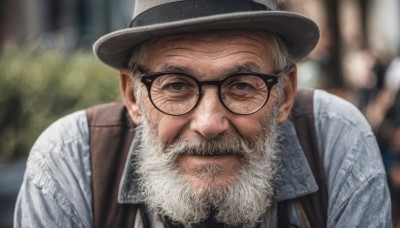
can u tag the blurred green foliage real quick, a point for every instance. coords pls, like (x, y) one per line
(38, 87)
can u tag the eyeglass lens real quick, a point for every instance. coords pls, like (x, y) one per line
(177, 94)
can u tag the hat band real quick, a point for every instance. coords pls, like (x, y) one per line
(182, 10)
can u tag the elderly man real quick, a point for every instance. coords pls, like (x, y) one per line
(207, 135)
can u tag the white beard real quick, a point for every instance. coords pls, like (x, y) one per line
(243, 201)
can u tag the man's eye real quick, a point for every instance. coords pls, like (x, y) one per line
(176, 86)
(241, 86)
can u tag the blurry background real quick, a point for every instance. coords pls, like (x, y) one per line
(47, 70)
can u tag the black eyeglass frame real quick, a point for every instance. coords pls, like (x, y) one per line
(269, 79)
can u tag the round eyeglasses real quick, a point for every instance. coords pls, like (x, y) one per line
(176, 93)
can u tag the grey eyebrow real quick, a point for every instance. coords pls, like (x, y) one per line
(168, 67)
(248, 67)
(143, 69)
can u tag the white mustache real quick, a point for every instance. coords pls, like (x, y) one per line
(222, 145)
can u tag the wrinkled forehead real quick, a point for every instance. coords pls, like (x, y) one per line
(255, 39)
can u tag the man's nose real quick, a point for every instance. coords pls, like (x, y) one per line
(210, 116)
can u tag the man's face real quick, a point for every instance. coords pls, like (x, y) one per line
(211, 56)
(210, 158)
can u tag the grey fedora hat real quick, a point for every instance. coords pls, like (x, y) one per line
(153, 18)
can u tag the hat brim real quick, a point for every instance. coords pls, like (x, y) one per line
(299, 33)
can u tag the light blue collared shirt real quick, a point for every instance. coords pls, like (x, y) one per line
(56, 191)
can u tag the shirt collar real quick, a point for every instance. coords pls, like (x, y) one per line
(296, 178)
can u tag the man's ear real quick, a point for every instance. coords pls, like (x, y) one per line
(125, 83)
(289, 94)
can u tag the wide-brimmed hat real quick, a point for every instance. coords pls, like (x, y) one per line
(154, 18)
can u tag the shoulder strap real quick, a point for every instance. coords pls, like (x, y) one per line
(111, 132)
(316, 204)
